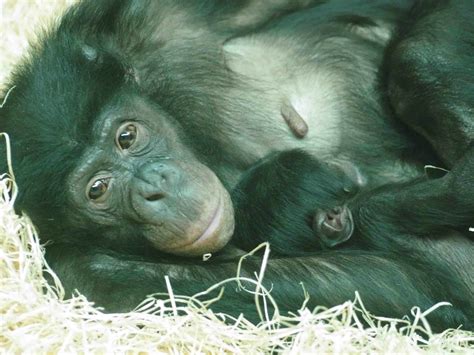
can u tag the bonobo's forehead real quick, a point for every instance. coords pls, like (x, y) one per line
(73, 84)
(58, 92)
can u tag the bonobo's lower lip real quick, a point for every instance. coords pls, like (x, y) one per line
(209, 232)
(214, 224)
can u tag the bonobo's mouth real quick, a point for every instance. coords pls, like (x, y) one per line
(212, 238)
(213, 226)
(335, 226)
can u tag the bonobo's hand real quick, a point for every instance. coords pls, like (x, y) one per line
(426, 207)
(290, 199)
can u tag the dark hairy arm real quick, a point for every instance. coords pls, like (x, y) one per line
(120, 282)
(430, 77)
(423, 207)
(283, 191)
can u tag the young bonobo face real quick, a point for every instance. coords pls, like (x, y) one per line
(305, 204)
(335, 225)
(136, 177)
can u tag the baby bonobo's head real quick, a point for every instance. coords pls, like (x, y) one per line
(334, 225)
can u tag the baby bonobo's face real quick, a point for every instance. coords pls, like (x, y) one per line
(333, 224)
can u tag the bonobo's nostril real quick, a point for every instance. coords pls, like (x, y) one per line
(334, 212)
(155, 197)
(157, 174)
(157, 167)
(164, 177)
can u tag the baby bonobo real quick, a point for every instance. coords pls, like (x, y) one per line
(311, 215)
(324, 206)
(423, 223)
(333, 226)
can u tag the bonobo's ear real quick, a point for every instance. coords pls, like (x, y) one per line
(93, 55)
(378, 31)
(433, 172)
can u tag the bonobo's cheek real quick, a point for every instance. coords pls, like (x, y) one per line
(184, 208)
(334, 226)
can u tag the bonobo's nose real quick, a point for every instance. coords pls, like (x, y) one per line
(156, 180)
(335, 218)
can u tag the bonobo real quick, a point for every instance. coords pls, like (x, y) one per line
(340, 214)
(132, 120)
(312, 213)
(376, 220)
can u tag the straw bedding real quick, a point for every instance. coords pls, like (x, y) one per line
(35, 318)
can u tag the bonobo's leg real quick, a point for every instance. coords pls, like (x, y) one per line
(431, 74)
(288, 193)
(389, 285)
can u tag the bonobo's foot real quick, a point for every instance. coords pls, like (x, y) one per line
(334, 226)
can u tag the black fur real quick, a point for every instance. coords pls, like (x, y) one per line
(190, 71)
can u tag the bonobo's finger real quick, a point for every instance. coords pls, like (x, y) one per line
(297, 124)
(334, 226)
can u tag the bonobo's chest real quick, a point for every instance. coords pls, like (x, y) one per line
(312, 88)
(302, 91)
(292, 100)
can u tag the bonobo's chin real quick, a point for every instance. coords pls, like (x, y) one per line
(208, 235)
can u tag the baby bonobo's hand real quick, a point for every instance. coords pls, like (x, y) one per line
(334, 226)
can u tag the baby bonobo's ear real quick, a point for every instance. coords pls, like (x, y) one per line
(334, 226)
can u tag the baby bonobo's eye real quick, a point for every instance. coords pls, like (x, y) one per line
(97, 189)
(126, 136)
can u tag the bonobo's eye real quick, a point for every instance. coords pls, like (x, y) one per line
(97, 189)
(126, 136)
